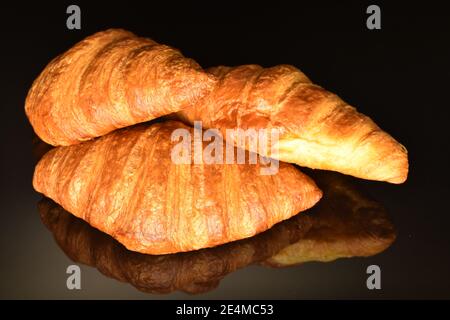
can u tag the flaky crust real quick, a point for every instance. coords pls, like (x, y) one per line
(345, 223)
(115, 79)
(317, 129)
(126, 185)
(111, 80)
(193, 272)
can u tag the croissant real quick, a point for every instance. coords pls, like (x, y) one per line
(193, 272)
(316, 128)
(126, 184)
(345, 223)
(111, 80)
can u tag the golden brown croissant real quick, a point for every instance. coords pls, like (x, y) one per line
(193, 272)
(345, 223)
(126, 185)
(317, 129)
(111, 80)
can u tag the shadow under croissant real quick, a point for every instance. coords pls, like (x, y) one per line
(345, 223)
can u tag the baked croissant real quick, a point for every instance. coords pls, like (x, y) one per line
(126, 185)
(193, 272)
(345, 223)
(316, 128)
(111, 80)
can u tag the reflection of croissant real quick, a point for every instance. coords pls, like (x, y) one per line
(110, 80)
(317, 129)
(126, 185)
(345, 223)
(193, 272)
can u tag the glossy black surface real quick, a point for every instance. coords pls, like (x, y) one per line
(398, 75)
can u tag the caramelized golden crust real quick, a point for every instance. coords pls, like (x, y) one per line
(345, 224)
(192, 272)
(111, 80)
(317, 129)
(115, 79)
(126, 185)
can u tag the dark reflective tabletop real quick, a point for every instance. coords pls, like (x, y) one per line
(397, 75)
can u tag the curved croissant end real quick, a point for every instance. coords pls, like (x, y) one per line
(111, 80)
(317, 129)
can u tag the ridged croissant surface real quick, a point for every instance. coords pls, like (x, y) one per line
(345, 223)
(111, 80)
(193, 272)
(126, 185)
(317, 129)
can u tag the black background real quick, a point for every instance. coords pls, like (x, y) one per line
(398, 75)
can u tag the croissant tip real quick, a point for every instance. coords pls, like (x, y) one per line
(402, 168)
(398, 179)
(318, 195)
